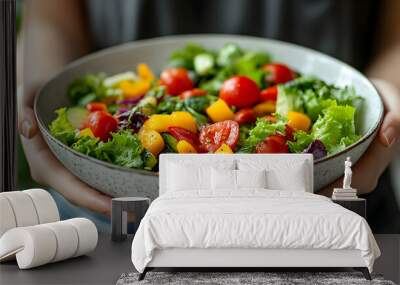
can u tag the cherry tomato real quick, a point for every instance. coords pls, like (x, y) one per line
(183, 134)
(96, 106)
(289, 131)
(269, 94)
(239, 91)
(176, 80)
(245, 116)
(192, 93)
(102, 124)
(213, 136)
(278, 73)
(273, 144)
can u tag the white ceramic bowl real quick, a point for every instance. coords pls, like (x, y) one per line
(118, 181)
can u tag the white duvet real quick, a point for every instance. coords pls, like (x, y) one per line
(250, 219)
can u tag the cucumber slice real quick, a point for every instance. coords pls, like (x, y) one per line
(170, 141)
(117, 78)
(77, 116)
(229, 54)
(87, 99)
(203, 63)
(149, 160)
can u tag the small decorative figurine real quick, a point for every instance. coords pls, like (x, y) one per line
(346, 192)
(347, 174)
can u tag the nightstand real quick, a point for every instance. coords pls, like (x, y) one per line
(358, 206)
(137, 206)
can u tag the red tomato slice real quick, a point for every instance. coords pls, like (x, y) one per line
(269, 94)
(278, 73)
(96, 106)
(102, 124)
(183, 134)
(192, 93)
(239, 91)
(273, 144)
(176, 80)
(289, 131)
(213, 136)
(245, 116)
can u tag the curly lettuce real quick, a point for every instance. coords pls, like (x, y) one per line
(123, 149)
(86, 145)
(262, 129)
(90, 88)
(336, 128)
(311, 96)
(62, 129)
(301, 141)
(289, 99)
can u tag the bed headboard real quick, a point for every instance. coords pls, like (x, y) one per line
(269, 160)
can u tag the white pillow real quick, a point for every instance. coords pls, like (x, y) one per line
(182, 177)
(294, 179)
(188, 176)
(282, 174)
(251, 178)
(223, 179)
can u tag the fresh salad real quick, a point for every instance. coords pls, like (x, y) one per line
(206, 101)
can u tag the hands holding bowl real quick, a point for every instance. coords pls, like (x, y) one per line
(270, 133)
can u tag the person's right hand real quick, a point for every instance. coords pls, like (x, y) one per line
(47, 170)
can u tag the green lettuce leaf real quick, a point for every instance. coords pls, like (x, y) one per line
(90, 88)
(335, 128)
(229, 54)
(62, 129)
(262, 129)
(244, 131)
(311, 95)
(249, 65)
(86, 145)
(214, 84)
(123, 149)
(301, 141)
(185, 57)
(289, 99)
(314, 105)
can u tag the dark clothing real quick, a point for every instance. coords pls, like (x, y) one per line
(341, 28)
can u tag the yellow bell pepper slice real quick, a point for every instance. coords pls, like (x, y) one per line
(264, 108)
(158, 122)
(87, 132)
(224, 148)
(145, 72)
(151, 140)
(132, 89)
(184, 120)
(220, 111)
(185, 147)
(298, 121)
(161, 122)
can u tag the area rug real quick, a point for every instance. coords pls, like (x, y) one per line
(243, 278)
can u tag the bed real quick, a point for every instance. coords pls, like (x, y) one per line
(247, 211)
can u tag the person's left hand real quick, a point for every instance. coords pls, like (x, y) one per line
(371, 165)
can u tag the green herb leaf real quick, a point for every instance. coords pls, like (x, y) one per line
(62, 129)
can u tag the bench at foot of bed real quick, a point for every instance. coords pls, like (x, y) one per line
(363, 270)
